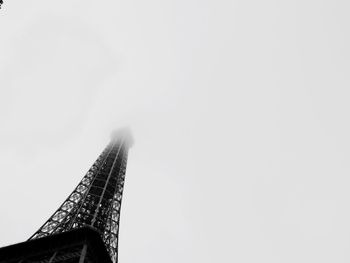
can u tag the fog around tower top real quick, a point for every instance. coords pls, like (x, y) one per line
(123, 133)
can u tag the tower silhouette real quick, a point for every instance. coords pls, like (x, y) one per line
(88, 216)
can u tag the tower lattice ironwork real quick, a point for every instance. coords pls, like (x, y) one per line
(96, 201)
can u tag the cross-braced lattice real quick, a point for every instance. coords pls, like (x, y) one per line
(96, 201)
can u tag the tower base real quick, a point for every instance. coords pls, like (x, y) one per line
(82, 245)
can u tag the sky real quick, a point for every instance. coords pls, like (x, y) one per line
(239, 111)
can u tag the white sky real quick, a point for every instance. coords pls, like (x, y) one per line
(239, 109)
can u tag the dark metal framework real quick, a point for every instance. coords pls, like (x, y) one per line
(81, 245)
(96, 201)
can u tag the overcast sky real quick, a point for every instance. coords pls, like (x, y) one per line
(239, 110)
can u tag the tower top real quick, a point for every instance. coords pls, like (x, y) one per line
(123, 134)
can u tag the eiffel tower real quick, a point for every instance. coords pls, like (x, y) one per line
(85, 227)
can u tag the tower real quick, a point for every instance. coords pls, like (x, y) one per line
(88, 216)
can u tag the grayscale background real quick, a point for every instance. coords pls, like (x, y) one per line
(239, 109)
